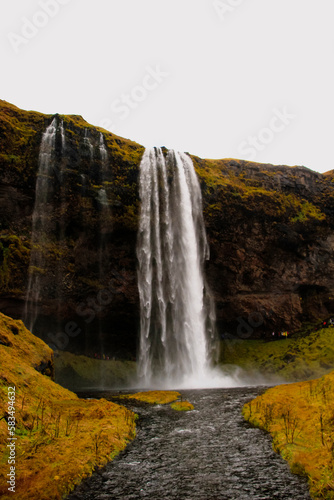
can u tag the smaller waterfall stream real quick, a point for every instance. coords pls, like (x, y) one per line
(104, 230)
(40, 222)
(177, 325)
(89, 145)
(103, 151)
(105, 215)
(62, 134)
(51, 166)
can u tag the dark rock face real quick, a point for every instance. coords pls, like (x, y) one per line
(88, 276)
(271, 237)
(270, 229)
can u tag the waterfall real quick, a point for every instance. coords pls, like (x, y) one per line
(103, 152)
(102, 194)
(41, 221)
(62, 135)
(89, 145)
(105, 225)
(177, 334)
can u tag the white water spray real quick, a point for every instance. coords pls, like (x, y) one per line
(177, 338)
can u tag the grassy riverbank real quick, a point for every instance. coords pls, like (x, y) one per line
(300, 418)
(60, 438)
(292, 359)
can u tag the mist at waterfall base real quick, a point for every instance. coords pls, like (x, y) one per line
(178, 345)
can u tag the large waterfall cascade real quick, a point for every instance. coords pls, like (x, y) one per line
(178, 343)
(177, 336)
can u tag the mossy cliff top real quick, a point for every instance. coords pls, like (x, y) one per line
(60, 438)
(292, 195)
(21, 132)
(289, 194)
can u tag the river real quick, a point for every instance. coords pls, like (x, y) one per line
(210, 453)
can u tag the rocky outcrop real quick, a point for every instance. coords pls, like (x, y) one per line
(270, 229)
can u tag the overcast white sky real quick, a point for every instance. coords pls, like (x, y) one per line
(248, 79)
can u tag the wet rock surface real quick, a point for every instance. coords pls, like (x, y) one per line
(210, 453)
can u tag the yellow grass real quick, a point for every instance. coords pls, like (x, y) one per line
(300, 418)
(60, 438)
(182, 406)
(163, 397)
(156, 397)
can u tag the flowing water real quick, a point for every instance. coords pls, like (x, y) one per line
(41, 221)
(104, 231)
(210, 453)
(88, 144)
(44, 226)
(103, 152)
(102, 194)
(177, 334)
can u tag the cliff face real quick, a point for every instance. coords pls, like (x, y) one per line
(270, 229)
(271, 237)
(100, 299)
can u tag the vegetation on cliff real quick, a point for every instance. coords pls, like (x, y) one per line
(300, 418)
(291, 359)
(252, 188)
(60, 438)
(21, 133)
